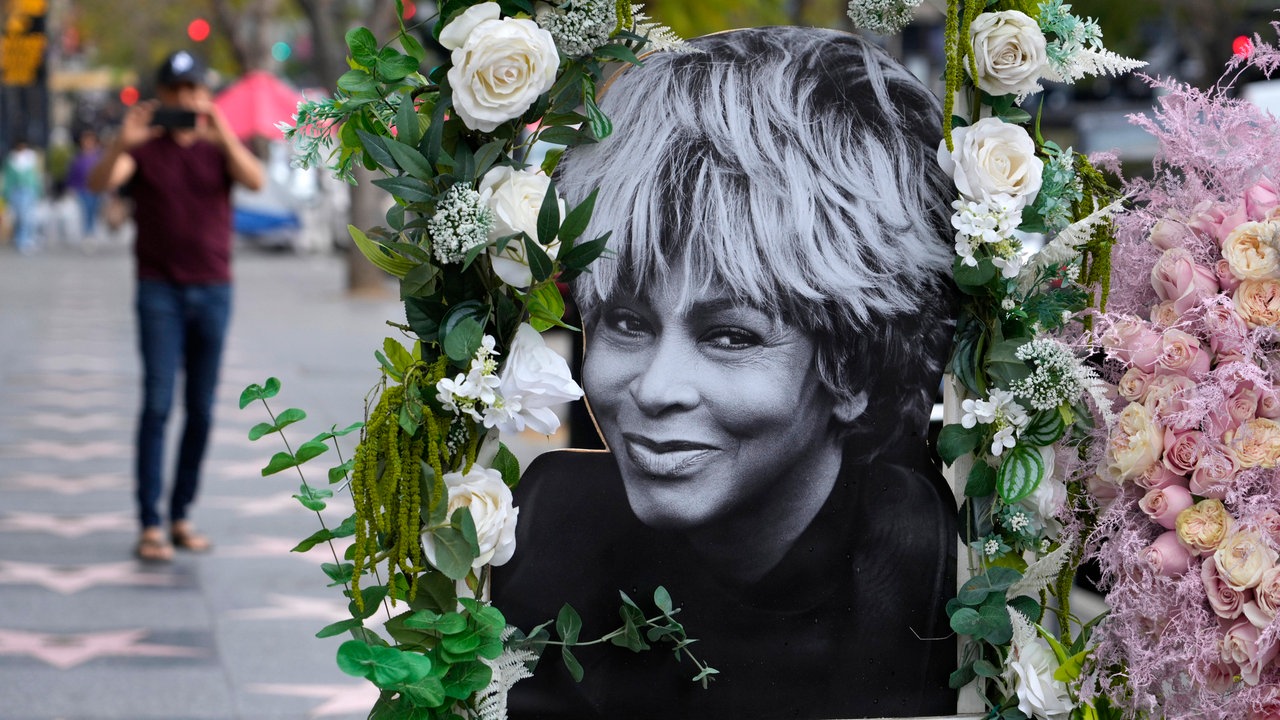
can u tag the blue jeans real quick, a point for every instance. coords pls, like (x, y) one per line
(23, 202)
(178, 326)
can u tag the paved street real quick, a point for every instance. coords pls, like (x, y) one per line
(86, 631)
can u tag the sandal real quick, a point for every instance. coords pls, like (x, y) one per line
(185, 538)
(153, 548)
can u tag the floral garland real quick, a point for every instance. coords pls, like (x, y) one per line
(1189, 542)
(479, 241)
(1028, 400)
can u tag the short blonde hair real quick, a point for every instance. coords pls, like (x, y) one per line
(793, 168)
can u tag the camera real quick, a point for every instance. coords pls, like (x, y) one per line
(173, 118)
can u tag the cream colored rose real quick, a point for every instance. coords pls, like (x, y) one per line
(1251, 250)
(993, 158)
(1266, 599)
(1242, 558)
(1136, 443)
(1256, 443)
(515, 197)
(1165, 314)
(1258, 302)
(1202, 526)
(500, 65)
(489, 500)
(1008, 52)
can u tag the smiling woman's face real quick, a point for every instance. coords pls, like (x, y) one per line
(711, 411)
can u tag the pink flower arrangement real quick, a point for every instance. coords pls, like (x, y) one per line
(1189, 535)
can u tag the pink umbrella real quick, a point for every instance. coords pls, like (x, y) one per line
(256, 103)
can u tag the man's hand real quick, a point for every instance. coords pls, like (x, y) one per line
(136, 128)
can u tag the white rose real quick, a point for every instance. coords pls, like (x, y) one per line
(489, 499)
(1250, 250)
(1137, 442)
(1009, 52)
(1031, 667)
(534, 379)
(500, 66)
(515, 197)
(993, 158)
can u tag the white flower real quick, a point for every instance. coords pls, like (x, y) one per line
(534, 379)
(458, 395)
(1009, 267)
(1003, 439)
(581, 27)
(885, 17)
(977, 411)
(459, 224)
(515, 197)
(1030, 668)
(993, 159)
(500, 66)
(1008, 52)
(965, 251)
(489, 499)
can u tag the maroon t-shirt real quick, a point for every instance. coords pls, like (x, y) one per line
(182, 207)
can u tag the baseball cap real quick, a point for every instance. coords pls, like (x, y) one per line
(181, 67)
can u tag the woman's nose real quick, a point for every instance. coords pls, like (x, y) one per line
(665, 380)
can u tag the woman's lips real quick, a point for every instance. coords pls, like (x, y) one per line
(666, 458)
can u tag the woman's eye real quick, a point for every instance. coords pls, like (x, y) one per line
(731, 338)
(626, 322)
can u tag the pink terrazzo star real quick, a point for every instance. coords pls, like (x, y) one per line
(338, 700)
(70, 579)
(270, 546)
(65, 651)
(294, 607)
(277, 504)
(68, 526)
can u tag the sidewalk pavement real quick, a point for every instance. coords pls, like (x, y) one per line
(86, 631)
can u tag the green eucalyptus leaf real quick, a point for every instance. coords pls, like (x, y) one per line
(998, 629)
(339, 573)
(465, 679)
(971, 279)
(967, 621)
(257, 431)
(568, 624)
(313, 498)
(317, 537)
(1021, 470)
(1028, 606)
(985, 669)
(662, 599)
(961, 677)
(463, 339)
(279, 461)
(454, 554)
(339, 627)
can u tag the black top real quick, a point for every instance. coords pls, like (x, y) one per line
(851, 623)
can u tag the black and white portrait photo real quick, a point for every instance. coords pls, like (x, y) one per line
(763, 344)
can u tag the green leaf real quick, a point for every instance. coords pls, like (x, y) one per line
(575, 223)
(955, 440)
(966, 357)
(568, 624)
(374, 148)
(1020, 472)
(967, 621)
(1028, 606)
(979, 587)
(982, 480)
(662, 599)
(487, 155)
(410, 160)
(339, 627)
(279, 461)
(1072, 668)
(259, 392)
(340, 573)
(393, 66)
(363, 46)
(549, 215)
(550, 161)
(356, 82)
(257, 431)
(617, 51)
(961, 677)
(317, 537)
(546, 307)
(539, 262)
(972, 279)
(560, 135)
(464, 339)
(338, 473)
(465, 679)
(409, 189)
(454, 553)
(313, 498)
(985, 669)
(310, 449)
(400, 358)
(1015, 115)
(632, 619)
(601, 126)
(582, 255)
(378, 255)
(508, 464)
(998, 630)
(1044, 429)
(411, 46)
(571, 664)
(1003, 365)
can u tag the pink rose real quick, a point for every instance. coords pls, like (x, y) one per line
(1133, 342)
(1178, 277)
(1226, 279)
(1214, 472)
(1268, 522)
(1218, 423)
(1133, 385)
(1180, 354)
(1266, 599)
(1260, 200)
(1102, 490)
(1243, 403)
(1158, 476)
(1169, 399)
(1258, 302)
(1240, 646)
(1268, 403)
(1226, 601)
(1220, 678)
(1167, 233)
(1162, 505)
(1182, 450)
(1224, 327)
(1208, 219)
(1167, 556)
(1165, 315)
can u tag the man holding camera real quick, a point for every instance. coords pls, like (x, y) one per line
(177, 158)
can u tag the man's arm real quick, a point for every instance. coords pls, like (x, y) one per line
(116, 166)
(241, 162)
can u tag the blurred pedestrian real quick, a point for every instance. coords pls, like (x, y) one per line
(88, 153)
(180, 159)
(23, 186)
